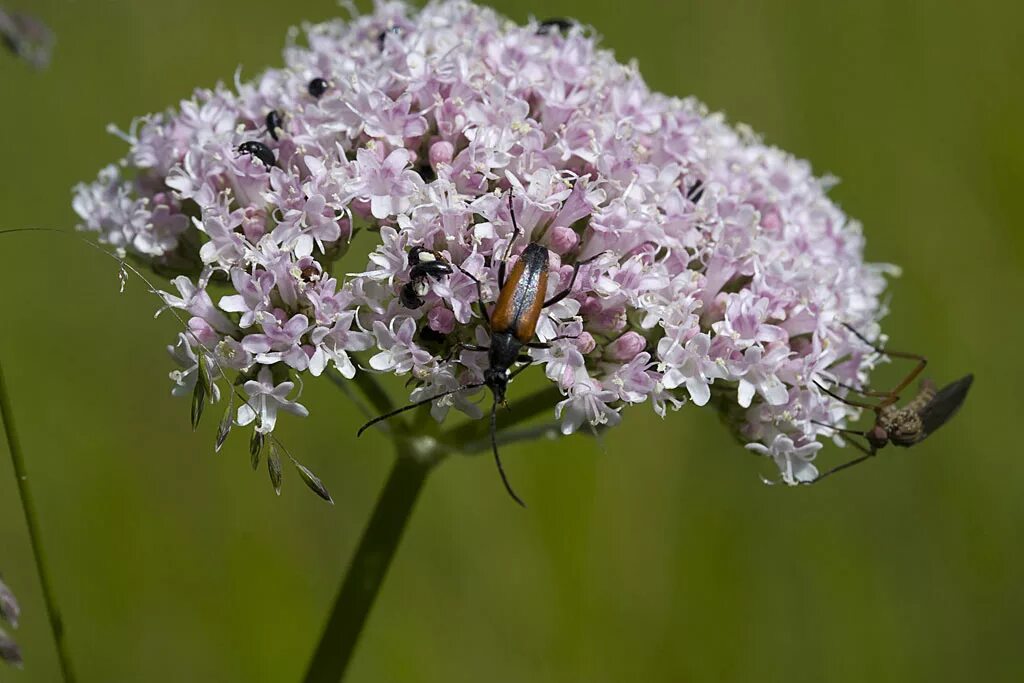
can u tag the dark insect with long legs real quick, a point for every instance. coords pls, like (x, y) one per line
(512, 324)
(906, 426)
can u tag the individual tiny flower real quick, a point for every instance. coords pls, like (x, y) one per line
(587, 403)
(400, 353)
(334, 345)
(794, 461)
(385, 183)
(758, 372)
(281, 340)
(185, 379)
(689, 365)
(265, 400)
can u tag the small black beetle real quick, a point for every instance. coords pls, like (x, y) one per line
(317, 87)
(258, 150)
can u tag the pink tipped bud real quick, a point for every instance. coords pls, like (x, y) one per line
(563, 239)
(585, 343)
(441, 152)
(203, 331)
(441, 320)
(771, 220)
(626, 347)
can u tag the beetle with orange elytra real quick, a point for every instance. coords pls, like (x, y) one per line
(512, 324)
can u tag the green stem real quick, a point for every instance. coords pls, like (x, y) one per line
(31, 521)
(369, 566)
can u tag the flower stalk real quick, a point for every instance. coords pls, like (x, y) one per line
(370, 564)
(34, 533)
(416, 455)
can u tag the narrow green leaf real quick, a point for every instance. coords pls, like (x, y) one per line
(274, 467)
(198, 397)
(255, 446)
(204, 376)
(226, 422)
(312, 481)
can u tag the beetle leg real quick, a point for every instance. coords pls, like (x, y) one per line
(479, 295)
(572, 281)
(463, 347)
(508, 249)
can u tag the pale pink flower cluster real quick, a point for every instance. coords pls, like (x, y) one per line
(725, 276)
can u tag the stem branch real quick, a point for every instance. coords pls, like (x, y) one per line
(540, 401)
(32, 522)
(369, 567)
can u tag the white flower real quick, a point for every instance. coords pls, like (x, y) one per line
(265, 400)
(794, 462)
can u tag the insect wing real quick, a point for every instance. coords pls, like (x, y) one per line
(943, 407)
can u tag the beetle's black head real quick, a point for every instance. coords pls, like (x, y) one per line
(497, 380)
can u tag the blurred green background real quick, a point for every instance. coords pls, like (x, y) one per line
(657, 557)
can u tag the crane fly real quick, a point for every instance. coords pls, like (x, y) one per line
(901, 426)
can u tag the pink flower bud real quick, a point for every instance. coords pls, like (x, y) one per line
(585, 343)
(563, 239)
(441, 320)
(203, 331)
(626, 347)
(441, 152)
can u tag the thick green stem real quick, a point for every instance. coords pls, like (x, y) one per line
(369, 566)
(32, 522)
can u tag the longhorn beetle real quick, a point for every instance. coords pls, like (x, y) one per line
(512, 324)
(906, 426)
(424, 264)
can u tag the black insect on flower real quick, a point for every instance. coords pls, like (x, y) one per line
(423, 265)
(318, 86)
(275, 123)
(258, 150)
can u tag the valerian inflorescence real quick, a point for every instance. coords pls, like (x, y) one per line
(725, 271)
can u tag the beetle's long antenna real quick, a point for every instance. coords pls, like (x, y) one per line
(417, 404)
(497, 458)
